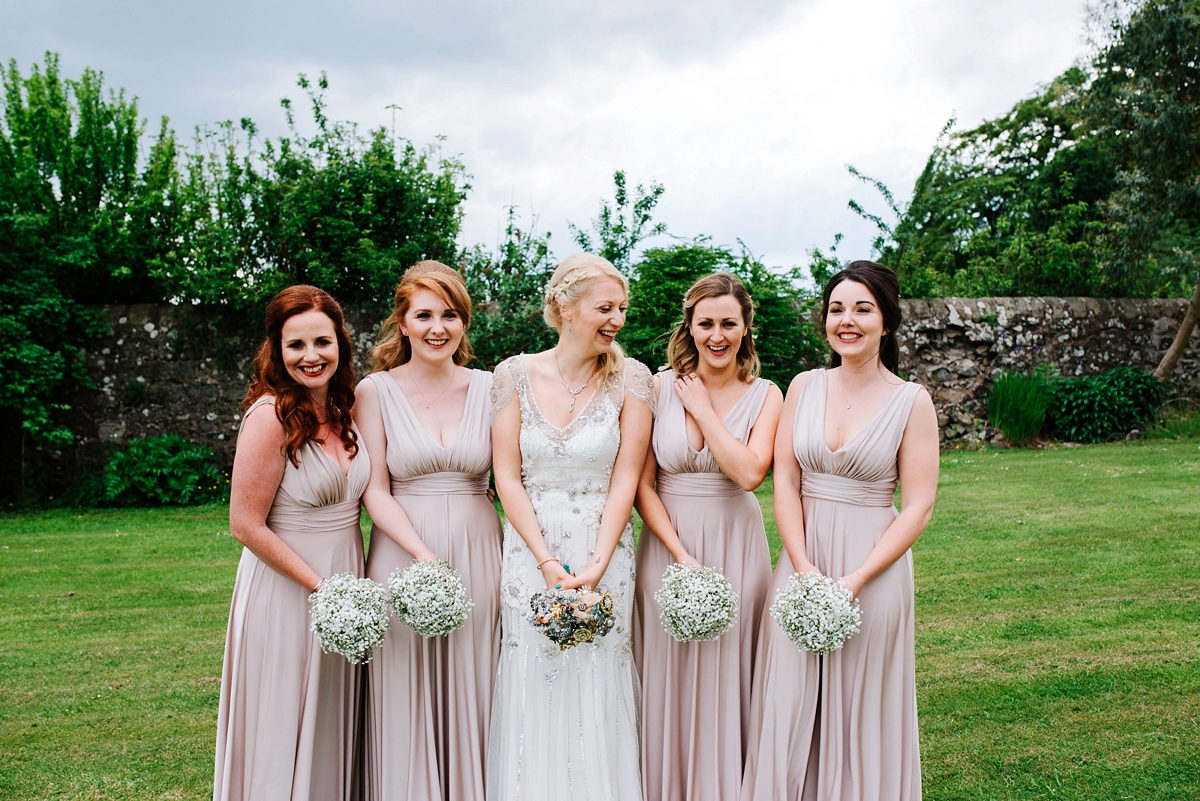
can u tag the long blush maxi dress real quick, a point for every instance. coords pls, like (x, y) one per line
(696, 696)
(288, 717)
(429, 700)
(842, 727)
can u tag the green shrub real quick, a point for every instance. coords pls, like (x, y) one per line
(1177, 419)
(1017, 405)
(163, 471)
(1098, 408)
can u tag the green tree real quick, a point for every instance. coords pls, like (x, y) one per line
(622, 224)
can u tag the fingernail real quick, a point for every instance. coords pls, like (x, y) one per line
(558, 586)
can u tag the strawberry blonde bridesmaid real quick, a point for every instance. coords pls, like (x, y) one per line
(425, 421)
(288, 714)
(711, 447)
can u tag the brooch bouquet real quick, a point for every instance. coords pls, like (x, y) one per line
(349, 616)
(696, 603)
(571, 617)
(817, 613)
(430, 597)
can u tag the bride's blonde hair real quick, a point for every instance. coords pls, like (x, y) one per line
(572, 281)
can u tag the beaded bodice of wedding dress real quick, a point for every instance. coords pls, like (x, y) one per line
(565, 722)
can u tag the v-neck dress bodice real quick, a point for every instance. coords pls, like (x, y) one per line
(288, 712)
(696, 695)
(841, 727)
(429, 700)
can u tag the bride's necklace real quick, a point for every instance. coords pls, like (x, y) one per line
(563, 379)
(859, 396)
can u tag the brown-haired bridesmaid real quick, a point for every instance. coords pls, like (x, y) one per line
(287, 718)
(425, 421)
(843, 727)
(711, 447)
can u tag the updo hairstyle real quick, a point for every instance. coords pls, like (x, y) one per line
(885, 286)
(573, 279)
(394, 349)
(682, 353)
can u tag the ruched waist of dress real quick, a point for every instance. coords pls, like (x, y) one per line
(840, 489)
(448, 483)
(703, 484)
(334, 517)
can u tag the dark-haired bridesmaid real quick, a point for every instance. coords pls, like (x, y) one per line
(843, 727)
(711, 447)
(425, 420)
(288, 713)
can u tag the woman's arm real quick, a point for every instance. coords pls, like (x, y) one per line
(654, 513)
(518, 509)
(636, 422)
(918, 460)
(789, 508)
(258, 466)
(747, 465)
(384, 509)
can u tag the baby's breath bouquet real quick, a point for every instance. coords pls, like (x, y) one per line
(696, 603)
(571, 617)
(817, 613)
(349, 616)
(430, 597)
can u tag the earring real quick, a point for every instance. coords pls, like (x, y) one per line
(570, 333)
(403, 333)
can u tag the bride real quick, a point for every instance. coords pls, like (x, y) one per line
(567, 457)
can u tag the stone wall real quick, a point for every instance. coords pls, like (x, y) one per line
(955, 345)
(161, 369)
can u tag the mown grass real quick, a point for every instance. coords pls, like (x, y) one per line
(1058, 618)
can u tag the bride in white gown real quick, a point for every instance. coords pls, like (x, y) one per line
(567, 457)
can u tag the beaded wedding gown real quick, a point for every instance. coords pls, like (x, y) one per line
(565, 723)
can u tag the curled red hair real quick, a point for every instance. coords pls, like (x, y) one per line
(293, 404)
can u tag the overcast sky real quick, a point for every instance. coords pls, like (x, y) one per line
(747, 112)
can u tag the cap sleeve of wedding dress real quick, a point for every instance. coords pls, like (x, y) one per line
(502, 386)
(639, 381)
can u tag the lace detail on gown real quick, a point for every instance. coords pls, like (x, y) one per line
(565, 722)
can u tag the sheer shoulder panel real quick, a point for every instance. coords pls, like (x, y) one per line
(639, 381)
(503, 385)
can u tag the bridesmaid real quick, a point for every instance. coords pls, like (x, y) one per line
(286, 723)
(843, 727)
(425, 422)
(711, 447)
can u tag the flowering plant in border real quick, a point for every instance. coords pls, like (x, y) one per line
(349, 616)
(696, 604)
(430, 597)
(817, 613)
(571, 617)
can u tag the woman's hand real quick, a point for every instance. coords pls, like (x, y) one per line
(694, 396)
(853, 582)
(589, 578)
(686, 559)
(554, 574)
(424, 555)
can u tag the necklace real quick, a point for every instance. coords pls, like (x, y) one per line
(439, 395)
(563, 379)
(859, 396)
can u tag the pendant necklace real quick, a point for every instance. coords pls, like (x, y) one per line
(563, 379)
(440, 394)
(842, 386)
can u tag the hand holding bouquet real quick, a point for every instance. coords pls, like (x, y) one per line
(817, 613)
(696, 603)
(430, 597)
(571, 617)
(349, 616)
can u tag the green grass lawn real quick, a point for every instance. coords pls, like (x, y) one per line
(1058, 615)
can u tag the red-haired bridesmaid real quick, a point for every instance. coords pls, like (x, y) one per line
(287, 720)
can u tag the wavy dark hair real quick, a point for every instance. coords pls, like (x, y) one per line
(682, 354)
(293, 404)
(885, 287)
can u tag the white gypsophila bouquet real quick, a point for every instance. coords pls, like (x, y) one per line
(349, 616)
(817, 613)
(430, 597)
(696, 604)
